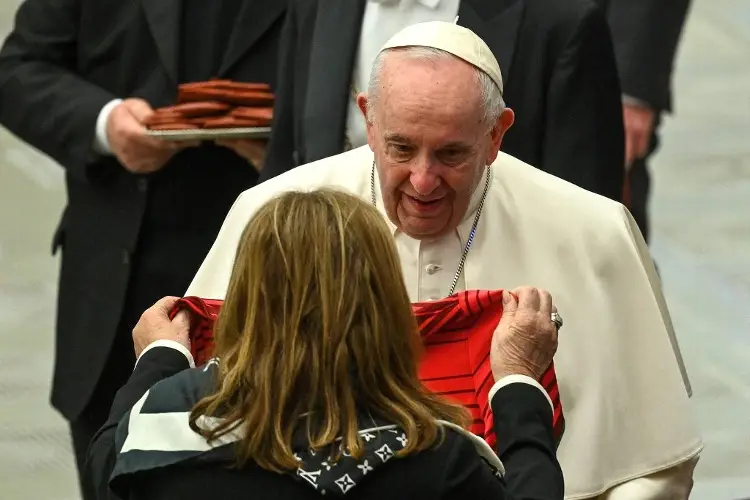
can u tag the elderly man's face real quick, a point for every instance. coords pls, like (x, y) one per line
(430, 142)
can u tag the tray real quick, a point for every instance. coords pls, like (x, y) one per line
(211, 134)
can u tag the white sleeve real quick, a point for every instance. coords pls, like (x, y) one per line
(171, 344)
(518, 379)
(101, 142)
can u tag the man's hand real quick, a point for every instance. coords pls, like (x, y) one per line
(252, 151)
(639, 125)
(155, 325)
(525, 340)
(136, 151)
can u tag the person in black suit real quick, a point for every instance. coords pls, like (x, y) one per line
(141, 214)
(316, 393)
(646, 35)
(557, 62)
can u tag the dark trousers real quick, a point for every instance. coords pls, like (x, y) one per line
(144, 289)
(153, 276)
(116, 372)
(640, 186)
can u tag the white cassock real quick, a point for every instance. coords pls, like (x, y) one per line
(622, 385)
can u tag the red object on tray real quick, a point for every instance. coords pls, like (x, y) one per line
(457, 334)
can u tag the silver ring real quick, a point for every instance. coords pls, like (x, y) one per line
(557, 320)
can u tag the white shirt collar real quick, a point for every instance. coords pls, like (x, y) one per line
(427, 3)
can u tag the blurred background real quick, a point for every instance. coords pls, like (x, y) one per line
(701, 240)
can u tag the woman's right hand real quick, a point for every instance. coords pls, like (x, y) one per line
(155, 325)
(525, 340)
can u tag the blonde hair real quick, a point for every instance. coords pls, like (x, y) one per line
(317, 328)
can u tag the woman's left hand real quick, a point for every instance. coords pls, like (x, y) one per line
(155, 325)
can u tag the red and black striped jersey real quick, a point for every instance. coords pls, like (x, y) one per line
(457, 334)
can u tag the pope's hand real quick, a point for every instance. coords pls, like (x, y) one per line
(155, 325)
(252, 151)
(525, 340)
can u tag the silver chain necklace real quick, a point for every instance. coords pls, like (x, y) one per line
(474, 225)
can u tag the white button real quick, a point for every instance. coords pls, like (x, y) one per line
(432, 268)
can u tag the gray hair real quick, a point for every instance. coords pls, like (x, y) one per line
(492, 98)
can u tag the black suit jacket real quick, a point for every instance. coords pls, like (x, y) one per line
(646, 34)
(63, 61)
(523, 419)
(557, 62)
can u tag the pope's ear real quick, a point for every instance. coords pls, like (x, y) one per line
(362, 105)
(504, 122)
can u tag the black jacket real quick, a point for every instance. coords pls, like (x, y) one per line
(559, 73)
(453, 470)
(126, 240)
(646, 34)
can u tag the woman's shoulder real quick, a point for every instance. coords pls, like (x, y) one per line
(186, 387)
(380, 457)
(457, 463)
(463, 441)
(458, 451)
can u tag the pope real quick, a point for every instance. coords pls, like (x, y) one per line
(465, 216)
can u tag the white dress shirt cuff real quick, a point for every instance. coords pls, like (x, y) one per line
(101, 142)
(518, 379)
(171, 344)
(634, 101)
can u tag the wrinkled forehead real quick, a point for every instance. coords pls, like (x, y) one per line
(442, 94)
(449, 78)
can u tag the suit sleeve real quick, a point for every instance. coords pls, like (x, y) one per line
(153, 366)
(280, 155)
(584, 139)
(646, 34)
(524, 418)
(42, 98)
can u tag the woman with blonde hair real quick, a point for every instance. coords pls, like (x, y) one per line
(314, 388)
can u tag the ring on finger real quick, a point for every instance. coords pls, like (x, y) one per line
(557, 319)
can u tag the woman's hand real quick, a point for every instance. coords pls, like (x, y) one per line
(525, 340)
(155, 325)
